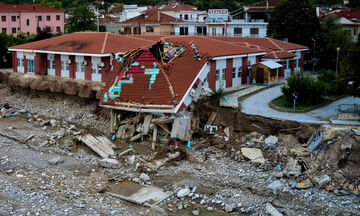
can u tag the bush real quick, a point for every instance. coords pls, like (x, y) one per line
(309, 89)
(217, 94)
(333, 86)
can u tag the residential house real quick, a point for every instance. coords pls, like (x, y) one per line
(348, 18)
(131, 11)
(30, 18)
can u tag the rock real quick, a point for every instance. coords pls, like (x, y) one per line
(11, 128)
(254, 154)
(274, 185)
(292, 169)
(239, 205)
(300, 152)
(144, 177)
(279, 175)
(3, 110)
(53, 123)
(228, 131)
(109, 163)
(339, 177)
(44, 128)
(271, 141)
(196, 212)
(158, 209)
(202, 202)
(194, 189)
(272, 210)
(22, 111)
(136, 180)
(229, 208)
(56, 160)
(210, 208)
(183, 193)
(131, 159)
(180, 207)
(29, 137)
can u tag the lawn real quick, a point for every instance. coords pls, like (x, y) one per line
(282, 103)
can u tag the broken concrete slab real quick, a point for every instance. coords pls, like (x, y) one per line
(253, 154)
(109, 163)
(293, 168)
(228, 131)
(139, 194)
(102, 149)
(105, 140)
(181, 129)
(272, 210)
(271, 141)
(146, 125)
(162, 120)
(159, 163)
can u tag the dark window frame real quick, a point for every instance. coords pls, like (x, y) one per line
(57, 17)
(13, 18)
(48, 18)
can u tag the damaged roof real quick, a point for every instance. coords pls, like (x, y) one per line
(150, 82)
(87, 42)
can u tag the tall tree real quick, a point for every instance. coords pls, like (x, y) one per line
(81, 18)
(294, 20)
(349, 70)
(331, 37)
(117, 8)
(354, 3)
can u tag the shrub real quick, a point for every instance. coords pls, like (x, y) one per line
(333, 86)
(310, 90)
(217, 94)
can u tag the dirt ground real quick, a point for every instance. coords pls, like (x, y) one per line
(214, 167)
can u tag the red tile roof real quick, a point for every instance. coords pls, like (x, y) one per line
(169, 84)
(350, 14)
(279, 55)
(152, 16)
(19, 7)
(87, 42)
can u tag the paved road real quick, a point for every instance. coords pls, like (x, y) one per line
(258, 105)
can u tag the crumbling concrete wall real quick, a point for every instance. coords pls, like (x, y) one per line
(81, 88)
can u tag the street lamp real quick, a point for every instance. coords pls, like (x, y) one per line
(337, 60)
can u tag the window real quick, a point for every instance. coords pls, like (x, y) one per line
(254, 31)
(127, 30)
(62, 65)
(217, 75)
(30, 65)
(51, 64)
(234, 73)
(95, 69)
(184, 30)
(18, 62)
(186, 17)
(13, 18)
(22, 62)
(354, 32)
(67, 65)
(79, 67)
(238, 31)
(273, 72)
(58, 29)
(57, 17)
(3, 18)
(13, 30)
(297, 62)
(223, 31)
(3, 30)
(40, 18)
(239, 71)
(149, 29)
(48, 18)
(180, 16)
(223, 74)
(27, 22)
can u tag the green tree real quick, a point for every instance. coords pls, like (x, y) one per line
(81, 18)
(328, 2)
(331, 36)
(354, 3)
(55, 4)
(350, 68)
(117, 8)
(294, 20)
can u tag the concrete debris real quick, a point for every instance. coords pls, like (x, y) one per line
(211, 119)
(183, 192)
(105, 140)
(272, 210)
(161, 162)
(275, 185)
(109, 163)
(181, 129)
(300, 152)
(271, 141)
(56, 160)
(136, 137)
(293, 168)
(195, 212)
(102, 149)
(144, 177)
(146, 125)
(131, 159)
(322, 181)
(125, 131)
(253, 154)
(53, 123)
(314, 140)
(228, 131)
(29, 137)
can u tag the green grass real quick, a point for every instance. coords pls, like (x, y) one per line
(282, 103)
